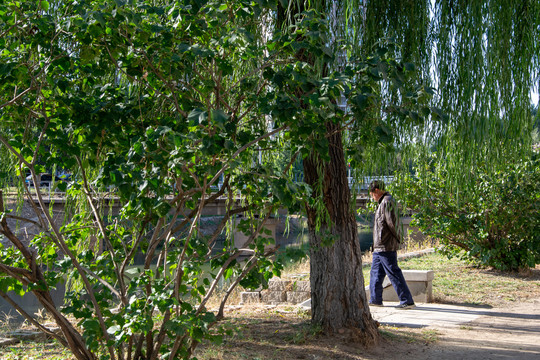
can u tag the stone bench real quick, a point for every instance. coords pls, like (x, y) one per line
(419, 283)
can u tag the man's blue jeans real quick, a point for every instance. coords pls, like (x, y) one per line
(385, 263)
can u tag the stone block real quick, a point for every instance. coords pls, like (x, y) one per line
(8, 341)
(417, 275)
(295, 297)
(273, 297)
(304, 286)
(279, 285)
(250, 297)
(306, 305)
(27, 335)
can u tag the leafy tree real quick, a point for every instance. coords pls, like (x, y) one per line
(464, 50)
(151, 106)
(143, 104)
(334, 247)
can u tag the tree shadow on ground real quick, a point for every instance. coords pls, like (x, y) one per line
(288, 336)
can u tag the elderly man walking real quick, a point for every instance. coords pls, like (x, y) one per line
(386, 239)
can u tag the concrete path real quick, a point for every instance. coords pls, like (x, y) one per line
(467, 333)
(462, 332)
(424, 315)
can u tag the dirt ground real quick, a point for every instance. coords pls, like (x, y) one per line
(509, 332)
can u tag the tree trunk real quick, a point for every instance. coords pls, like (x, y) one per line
(338, 299)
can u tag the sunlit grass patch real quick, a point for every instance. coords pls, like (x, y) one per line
(35, 351)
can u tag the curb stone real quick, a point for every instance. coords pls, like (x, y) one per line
(8, 341)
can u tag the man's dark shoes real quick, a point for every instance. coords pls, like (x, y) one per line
(374, 304)
(406, 306)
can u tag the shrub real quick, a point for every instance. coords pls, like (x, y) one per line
(495, 222)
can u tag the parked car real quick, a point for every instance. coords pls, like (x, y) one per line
(45, 180)
(65, 176)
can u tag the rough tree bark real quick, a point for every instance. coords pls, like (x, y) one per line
(338, 299)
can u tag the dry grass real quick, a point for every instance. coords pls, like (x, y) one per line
(284, 333)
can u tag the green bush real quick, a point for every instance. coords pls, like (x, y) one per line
(495, 222)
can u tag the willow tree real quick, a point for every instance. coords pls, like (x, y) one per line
(482, 59)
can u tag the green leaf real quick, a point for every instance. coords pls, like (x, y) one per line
(162, 208)
(228, 273)
(197, 116)
(219, 118)
(197, 334)
(410, 67)
(133, 271)
(62, 186)
(113, 329)
(99, 17)
(361, 101)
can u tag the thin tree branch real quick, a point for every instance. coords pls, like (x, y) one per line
(103, 282)
(62, 245)
(14, 152)
(101, 226)
(16, 98)
(14, 272)
(252, 262)
(15, 217)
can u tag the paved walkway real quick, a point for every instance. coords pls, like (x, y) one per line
(467, 332)
(424, 315)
